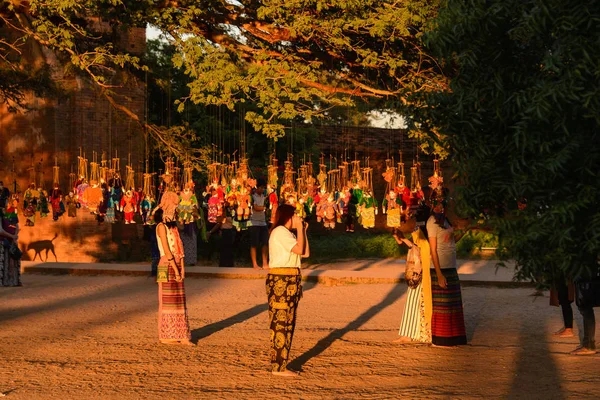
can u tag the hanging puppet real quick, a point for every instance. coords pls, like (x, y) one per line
(128, 207)
(367, 210)
(43, 203)
(146, 207)
(30, 204)
(92, 197)
(187, 204)
(71, 201)
(393, 207)
(56, 202)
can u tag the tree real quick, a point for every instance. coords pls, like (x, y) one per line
(292, 58)
(521, 116)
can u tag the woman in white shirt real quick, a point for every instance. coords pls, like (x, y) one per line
(447, 320)
(284, 288)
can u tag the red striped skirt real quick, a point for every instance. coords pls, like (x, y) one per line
(447, 321)
(172, 311)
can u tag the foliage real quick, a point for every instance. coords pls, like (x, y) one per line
(522, 117)
(356, 246)
(291, 59)
(471, 244)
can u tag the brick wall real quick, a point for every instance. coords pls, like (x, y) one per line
(82, 239)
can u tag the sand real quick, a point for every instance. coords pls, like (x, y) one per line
(71, 337)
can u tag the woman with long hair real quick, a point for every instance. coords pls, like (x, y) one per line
(173, 325)
(416, 319)
(447, 321)
(283, 284)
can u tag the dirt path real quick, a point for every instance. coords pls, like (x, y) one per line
(65, 337)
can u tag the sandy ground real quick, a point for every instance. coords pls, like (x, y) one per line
(66, 337)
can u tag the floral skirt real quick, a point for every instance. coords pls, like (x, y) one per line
(284, 293)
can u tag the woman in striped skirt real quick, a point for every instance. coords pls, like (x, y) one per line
(173, 325)
(447, 321)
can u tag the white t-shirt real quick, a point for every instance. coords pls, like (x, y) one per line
(281, 243)
(446, 247)
(258, 217)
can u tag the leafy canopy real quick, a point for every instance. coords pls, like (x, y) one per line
(522, 119)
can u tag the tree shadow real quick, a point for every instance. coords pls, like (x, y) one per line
(535, 365)
(337, 334)
(207, 330)
(366, 265)
(69, 302)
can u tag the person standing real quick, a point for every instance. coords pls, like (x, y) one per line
(416, 319)
(283, 283)
(562, 293)
(173, 324)
(10, 255)
(587, 296)
(4, 195)
(447, 321)
(259, 233)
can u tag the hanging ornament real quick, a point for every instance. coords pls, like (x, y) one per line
(436, 181)
(129, 178)
(55, 172)
(368, 207)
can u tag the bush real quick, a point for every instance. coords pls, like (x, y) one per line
(357, 245)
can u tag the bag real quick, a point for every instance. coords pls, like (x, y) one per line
(14, 252)
(162, 274)
(414, 269)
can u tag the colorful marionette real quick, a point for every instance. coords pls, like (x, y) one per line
(243, 204)
(273, 203)
(392, 206)
(11, 211)
(146, 207)
(128, 207)
(72, 202)
(320, 200)
(116, 183)
(93, 197)
(215, 206)
(401, 189)
(81, 188)
(367, 210)
(43, 203)
(103, 207)
(436, 181)
(110, 206)
(55, 202)
(309, 203)
(30, 204)
(330, 212)
(187, 204)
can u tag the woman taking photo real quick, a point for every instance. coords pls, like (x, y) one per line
(447, 321)
(283, 283)
(173, 325)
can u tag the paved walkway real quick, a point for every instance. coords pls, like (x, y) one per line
(471, 272)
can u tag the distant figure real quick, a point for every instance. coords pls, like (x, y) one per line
(10, 255)
(587, 297)
(259, 233)
(4, 195)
